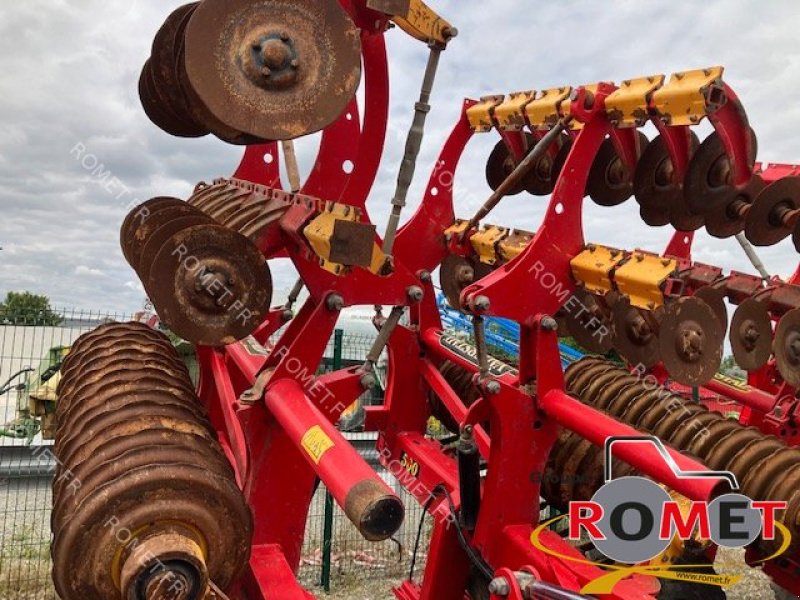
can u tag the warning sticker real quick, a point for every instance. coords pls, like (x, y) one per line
(316, 442)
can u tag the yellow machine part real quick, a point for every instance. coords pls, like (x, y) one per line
(457, 229)
(424, 24)
(690, 96)
(481, 115)
(319, 233)
(485, 243)
(510, 115)
(627, 107)
(594, 267)
(514, 244)
(545, 111)
(642, 279)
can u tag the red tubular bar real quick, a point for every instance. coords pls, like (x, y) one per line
(596, 427)
(367, 501)
(752, 398)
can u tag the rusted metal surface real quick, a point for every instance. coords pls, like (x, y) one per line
(775, 212)
(273, 70)
(141, 480)
(208, 283)
(709, 181)
(636, 334)
(727, 218)
(499, 166)
(691, 340)
(751, 334)
(655, 186)
(715, 298)
(591, 327)
(610, 180)
(787, 347)
(455, 274)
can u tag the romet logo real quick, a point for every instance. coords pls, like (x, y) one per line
(633, 520)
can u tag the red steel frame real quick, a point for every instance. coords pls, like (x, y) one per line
(263, 438)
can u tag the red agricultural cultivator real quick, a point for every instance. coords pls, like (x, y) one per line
(176, 493)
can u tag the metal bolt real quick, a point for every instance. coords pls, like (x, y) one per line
(482, 303)
(335, 302)
(287, 315)
(778, 411)
(415, 293)
(549, 324)
(493, 387)
(367, 381)
(499, 586)
(425, 277)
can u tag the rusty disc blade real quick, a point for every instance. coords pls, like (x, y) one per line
(708, 179)
(796, 238)
(635, 335)
(764, 225)
(500, 165)
(787, 347)
(726, 219)
(654, 184)
(691, 341)
(164, 80)
(715, 298)
(455, 274)
(217, 291)
(140, 230)
(682, 219)
(158, 240)
(273, 69)
(157, 110)
(541, 179)
(610, 180)
(137, 217)
(202, 114)
(751, 335)
(590, 324)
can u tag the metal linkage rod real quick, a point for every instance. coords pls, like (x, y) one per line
(751, 254)
(295, 293)
(413, 146)
(479, 331)
(383, 337)
(523, 168)
(292, 168)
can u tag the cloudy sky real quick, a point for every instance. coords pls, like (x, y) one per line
(70, 68)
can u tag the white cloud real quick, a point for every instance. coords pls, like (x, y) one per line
(83, 270)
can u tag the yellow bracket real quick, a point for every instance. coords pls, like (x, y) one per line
(627, 107)
(456, 229)
(594, 267)
(337, 231)
(481, 115)
(690, 96)
(545, 111)
(514, 244)
(485, 243)
(424, 24)
(642, 279)
(510, 115)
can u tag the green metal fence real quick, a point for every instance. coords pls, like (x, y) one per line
(334, 554)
